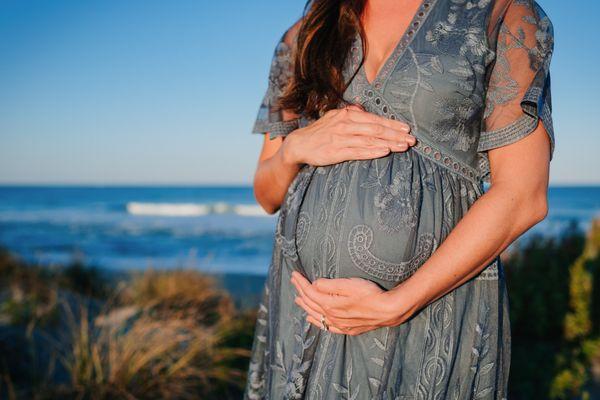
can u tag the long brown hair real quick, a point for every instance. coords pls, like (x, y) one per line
(323, 42)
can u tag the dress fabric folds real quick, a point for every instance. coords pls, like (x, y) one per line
(467, 76)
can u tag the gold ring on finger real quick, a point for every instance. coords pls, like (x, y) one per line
(324, 325)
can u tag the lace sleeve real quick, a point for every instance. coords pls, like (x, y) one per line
(271, 118)
(518, 91)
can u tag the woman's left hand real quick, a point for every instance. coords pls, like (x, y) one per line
(350, 306)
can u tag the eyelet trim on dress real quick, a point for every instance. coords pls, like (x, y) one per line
(374, 99)
(451, 163)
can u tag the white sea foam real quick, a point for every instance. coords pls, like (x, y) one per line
(249, 210)
(193, 209)
(167, 209)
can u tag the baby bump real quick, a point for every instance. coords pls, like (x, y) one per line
(378, 219)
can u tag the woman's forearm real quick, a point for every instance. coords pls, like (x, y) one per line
(275, 171)
(494, 221)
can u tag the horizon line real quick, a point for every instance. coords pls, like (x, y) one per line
(200, 184)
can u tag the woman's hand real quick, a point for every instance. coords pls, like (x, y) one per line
(350, 306)
(343, 134)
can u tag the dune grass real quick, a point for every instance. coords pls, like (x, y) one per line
(159, 335)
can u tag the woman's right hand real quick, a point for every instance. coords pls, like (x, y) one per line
(343, 134)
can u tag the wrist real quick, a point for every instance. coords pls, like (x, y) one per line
(399, 304)
(289, 151)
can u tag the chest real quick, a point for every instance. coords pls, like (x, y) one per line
(384, 24)
(435, 78)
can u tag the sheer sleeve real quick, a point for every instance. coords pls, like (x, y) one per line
(271, 119)
(518, 91)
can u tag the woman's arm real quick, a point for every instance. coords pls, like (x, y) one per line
(274, 174)
(515, 201)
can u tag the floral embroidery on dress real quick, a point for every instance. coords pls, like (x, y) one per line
(469, 34)
(345, 390)
(396, 202)
(481, 366)
(281, 70)
(525, 35)
(459, 112)
(382, 219)
(270, 117)
(411, 75)
(503, 87)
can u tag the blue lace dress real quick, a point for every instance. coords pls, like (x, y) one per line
(468, 76)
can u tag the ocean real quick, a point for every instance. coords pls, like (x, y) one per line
(214, 229)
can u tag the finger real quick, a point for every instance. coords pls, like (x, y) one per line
(305, 298)
(358, 153)
(368, 141)
(365, 116)
(309, 310)
(323, 300)
(350, 287)
(355, 107)
(338, 287)
(377, 129)
(311, 294)
(340, 316)
(341, 308)
(342, 331)
(336, 316)
(318, 308)
(317, 323)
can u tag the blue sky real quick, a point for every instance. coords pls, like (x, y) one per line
(165, 92)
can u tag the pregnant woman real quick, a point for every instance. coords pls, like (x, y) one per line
(383, 119)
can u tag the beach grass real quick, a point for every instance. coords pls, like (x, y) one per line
(156, 335)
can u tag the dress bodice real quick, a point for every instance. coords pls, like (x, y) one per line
(467, 75)
(434, 80)
(438, 75)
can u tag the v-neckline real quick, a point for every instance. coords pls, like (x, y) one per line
(406, 38)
